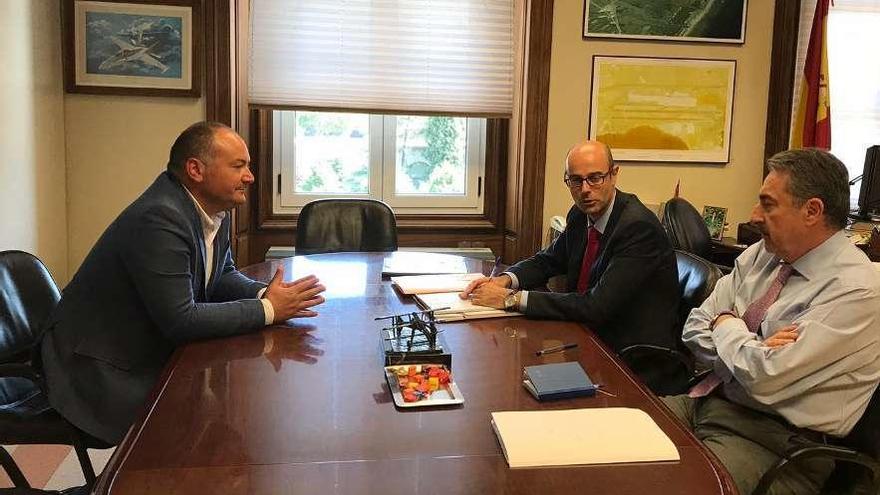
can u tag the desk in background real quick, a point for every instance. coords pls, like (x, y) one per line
(725, 251)
(306, 409)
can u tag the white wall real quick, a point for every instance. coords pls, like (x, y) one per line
(33, 215)
(733, 185)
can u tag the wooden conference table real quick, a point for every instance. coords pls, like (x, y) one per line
(305, 408)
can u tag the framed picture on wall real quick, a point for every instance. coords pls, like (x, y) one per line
(715, 218)
(671, 20)
(137, 47)
(663, 109)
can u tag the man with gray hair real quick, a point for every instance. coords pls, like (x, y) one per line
(792, 335)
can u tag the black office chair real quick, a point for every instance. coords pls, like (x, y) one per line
(674, 367)
(687, 231)
(345, 225)
(685, 228)
(856, 456)
(27, 297)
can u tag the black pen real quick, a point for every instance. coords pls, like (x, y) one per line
(555, 349)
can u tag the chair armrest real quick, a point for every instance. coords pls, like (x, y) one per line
(669, 352)
(665, 371)
(22, 370)
(833, 452)
(698, 377)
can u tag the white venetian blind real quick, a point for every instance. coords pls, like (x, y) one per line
(442, 56)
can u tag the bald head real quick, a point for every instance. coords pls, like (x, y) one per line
(590, 151)
(591, 177)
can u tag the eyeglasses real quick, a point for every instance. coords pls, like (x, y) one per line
(594, 180)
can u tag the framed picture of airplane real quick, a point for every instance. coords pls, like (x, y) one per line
(136, 47)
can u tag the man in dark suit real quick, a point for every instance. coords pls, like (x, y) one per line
(160, 275)
(622, 280)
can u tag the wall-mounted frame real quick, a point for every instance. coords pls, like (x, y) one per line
(715, 218)
(663, 109)
(137, 47)
(714, 21)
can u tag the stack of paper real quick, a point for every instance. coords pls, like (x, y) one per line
(429, 284)
(410, 263)
(456, 308)
(581, 436)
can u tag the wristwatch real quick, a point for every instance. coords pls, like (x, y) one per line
(511, 301)
(719, 315)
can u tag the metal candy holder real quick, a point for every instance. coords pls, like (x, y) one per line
(413, 338)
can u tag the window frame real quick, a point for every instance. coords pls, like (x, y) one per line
(383, 162)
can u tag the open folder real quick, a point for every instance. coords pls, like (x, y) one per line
(456, 308)
(581, 436)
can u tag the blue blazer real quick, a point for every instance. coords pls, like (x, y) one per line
(140, 293)
(633, 295)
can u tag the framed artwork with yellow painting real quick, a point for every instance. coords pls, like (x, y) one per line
(663, 109)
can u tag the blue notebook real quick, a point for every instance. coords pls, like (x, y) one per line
(558, 381)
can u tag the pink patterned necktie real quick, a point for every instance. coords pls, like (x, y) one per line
(753, 317)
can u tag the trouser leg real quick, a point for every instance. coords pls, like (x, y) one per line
(749, 443)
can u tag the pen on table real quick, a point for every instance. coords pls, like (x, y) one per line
(495, 269)
(555, 349)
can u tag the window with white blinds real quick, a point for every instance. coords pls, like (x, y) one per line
(854, 77)
(451, 57)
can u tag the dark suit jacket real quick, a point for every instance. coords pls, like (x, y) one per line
(139, 293)
(633, 294)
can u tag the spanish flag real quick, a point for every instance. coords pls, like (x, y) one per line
(812, 123)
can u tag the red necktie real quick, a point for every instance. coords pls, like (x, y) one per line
(753, 317)
(589, 258)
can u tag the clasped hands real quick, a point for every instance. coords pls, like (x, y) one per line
(293, 299)
(785, 335)
(488, 291)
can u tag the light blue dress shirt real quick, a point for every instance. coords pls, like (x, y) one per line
(822, 381)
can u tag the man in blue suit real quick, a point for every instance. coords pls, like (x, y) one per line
(161, 275)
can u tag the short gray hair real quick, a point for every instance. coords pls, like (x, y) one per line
(816, 173)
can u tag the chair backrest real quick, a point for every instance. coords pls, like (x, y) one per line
(865, 436)
(696, 278)
(345, 225)
(28, 295)
(685, 227)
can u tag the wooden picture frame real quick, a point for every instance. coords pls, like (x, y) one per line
(135, 47)
(663, 109)
(667, 20)
(715, 218)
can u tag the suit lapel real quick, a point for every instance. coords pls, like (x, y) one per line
(198, 264)
(620, 201)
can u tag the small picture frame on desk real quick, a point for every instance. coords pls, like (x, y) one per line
(715, 218)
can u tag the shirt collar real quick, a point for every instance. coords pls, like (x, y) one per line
(602, 221)
(813, 261)
(209, 223)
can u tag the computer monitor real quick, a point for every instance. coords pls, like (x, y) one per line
(869, 193)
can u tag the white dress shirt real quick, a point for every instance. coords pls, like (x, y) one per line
(210, 227)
